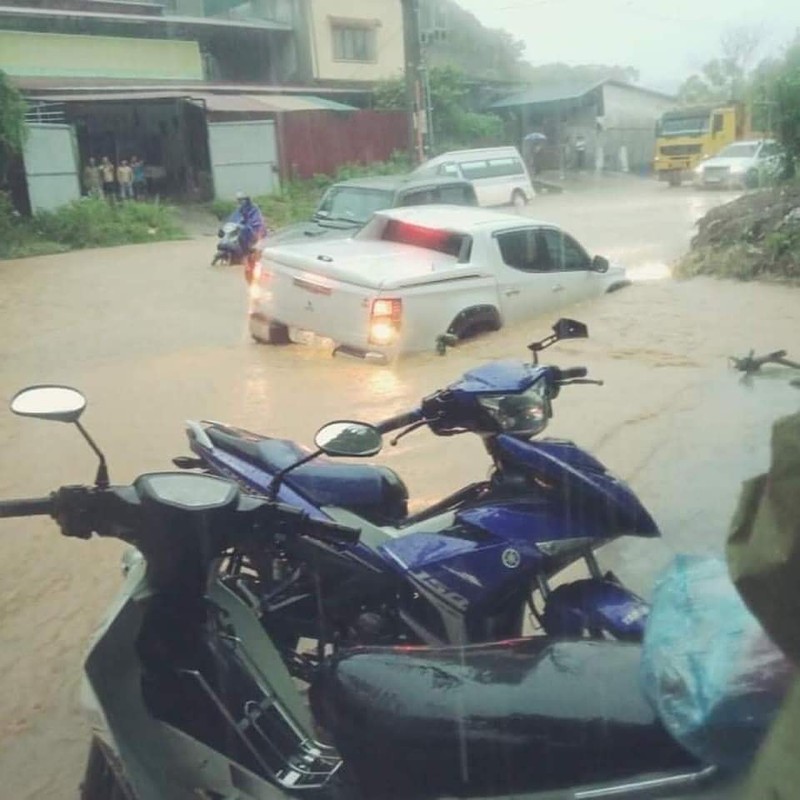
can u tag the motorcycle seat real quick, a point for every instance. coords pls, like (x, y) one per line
(492, 719)
(376, 493)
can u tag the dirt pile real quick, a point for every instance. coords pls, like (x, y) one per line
(757, 236)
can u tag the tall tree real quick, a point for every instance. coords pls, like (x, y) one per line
(453, 123)
(724, 79)
(13, 130)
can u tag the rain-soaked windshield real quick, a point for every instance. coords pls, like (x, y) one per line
(353, 204)
(739, 151)
(556, 578)
(684, 125)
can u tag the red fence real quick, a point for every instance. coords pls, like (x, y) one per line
(318, 142)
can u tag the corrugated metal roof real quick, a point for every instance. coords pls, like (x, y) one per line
(191, 22)
(548, 93)
(565, 92)
(250, 103)
(214, 103)
(61, 84)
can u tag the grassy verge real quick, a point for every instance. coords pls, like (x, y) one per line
(756, 237)
(297, 200)
(84, 223)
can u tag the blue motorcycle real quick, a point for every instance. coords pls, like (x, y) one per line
(465, 569)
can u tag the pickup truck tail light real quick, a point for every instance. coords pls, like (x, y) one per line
(384, 320)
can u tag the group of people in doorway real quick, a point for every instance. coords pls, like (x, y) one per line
(126, 180)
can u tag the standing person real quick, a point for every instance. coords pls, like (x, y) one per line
(125, 181)
(580, 151)
(92, 179)
(107, 173)
(139, 179)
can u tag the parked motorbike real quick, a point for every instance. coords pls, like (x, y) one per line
(463, 570)
(188, 697)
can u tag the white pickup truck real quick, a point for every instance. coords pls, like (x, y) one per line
(413, 274)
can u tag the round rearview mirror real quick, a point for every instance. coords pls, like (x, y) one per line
(59, 403)
(346, 438)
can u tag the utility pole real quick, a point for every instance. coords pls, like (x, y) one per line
(413, 61)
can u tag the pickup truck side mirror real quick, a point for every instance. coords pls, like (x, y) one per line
(600, 264)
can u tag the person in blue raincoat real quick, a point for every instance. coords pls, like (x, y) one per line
(249, 216)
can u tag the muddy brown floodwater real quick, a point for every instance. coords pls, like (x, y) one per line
(153, 336)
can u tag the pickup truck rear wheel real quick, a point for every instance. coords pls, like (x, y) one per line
(472, 321)
(518, 199)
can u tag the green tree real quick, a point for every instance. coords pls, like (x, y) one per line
(724, 79)
(783, 93)
(453, 123)
(13, 130)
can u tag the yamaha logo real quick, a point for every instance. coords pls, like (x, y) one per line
(511, 558)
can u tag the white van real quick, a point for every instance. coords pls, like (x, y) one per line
(498, 174)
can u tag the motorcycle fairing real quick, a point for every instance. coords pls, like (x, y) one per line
(596, 498)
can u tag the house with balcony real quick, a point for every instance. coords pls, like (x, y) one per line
(215, 95)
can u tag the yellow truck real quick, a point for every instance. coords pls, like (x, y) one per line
(685, 136)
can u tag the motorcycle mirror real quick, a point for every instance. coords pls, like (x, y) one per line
(348, 438)
(565, 328)
(59, 403)
(570, 329)
(62, 404)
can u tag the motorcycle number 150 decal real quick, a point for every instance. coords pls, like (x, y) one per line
(440, 590)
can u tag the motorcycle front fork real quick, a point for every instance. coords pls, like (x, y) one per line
(541, 588)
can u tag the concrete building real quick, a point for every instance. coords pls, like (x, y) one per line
(199, 88)
(355, 40)
(615, 120)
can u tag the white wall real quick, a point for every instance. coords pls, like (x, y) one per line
(383, 16)
(629, 119)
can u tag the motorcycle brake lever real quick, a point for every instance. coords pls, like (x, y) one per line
(410, 429)
(582, 380)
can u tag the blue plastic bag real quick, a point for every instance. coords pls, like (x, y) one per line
(713, 675)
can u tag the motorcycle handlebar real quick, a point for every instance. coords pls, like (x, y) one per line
(399, 421)
(27, 507)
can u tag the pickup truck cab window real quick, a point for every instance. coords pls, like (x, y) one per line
(419, 197)
(528, 250)
(458, 195)
(565, 253)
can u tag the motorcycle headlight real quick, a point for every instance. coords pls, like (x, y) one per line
(522, 414)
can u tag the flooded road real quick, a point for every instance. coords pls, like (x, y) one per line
(153, 336)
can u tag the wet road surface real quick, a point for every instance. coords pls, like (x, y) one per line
(154, 336)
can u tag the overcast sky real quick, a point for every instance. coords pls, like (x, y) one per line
(665, 39)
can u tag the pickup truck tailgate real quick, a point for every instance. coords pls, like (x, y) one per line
(312, 301)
